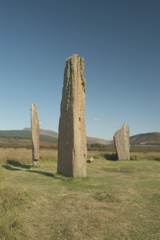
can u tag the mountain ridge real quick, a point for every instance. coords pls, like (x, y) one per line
(49, 135)
(142, 138)
(145, 138)
(90, 140)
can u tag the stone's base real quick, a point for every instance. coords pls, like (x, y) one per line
(36, 162)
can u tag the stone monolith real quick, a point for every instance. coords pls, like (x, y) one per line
(35, 134)
(72, 149)
(121, 141)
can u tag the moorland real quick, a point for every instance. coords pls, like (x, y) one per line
(118, 200)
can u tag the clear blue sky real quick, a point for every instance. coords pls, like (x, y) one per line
(120, 42)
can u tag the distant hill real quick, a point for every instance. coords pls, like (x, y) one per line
(44, 132)
(145, 138)
(24, 134)
(90, 140)
(51, 136)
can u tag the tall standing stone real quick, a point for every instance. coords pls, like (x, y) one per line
(121, 141)
(35, 134)
(72, 151)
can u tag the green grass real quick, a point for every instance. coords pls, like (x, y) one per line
(119, 200)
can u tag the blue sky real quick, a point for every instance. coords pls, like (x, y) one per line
(120, 42)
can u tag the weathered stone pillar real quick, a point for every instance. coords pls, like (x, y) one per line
(121, 141)
(35, 134)
(72, 150)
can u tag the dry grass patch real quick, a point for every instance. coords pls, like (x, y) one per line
(20, 155)
(118, 200)
(24, 155)
(79, 216)
(13, 201)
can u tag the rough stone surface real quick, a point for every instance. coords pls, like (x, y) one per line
(35, 134)
(91, 159)
(72, 149)
(121, 141)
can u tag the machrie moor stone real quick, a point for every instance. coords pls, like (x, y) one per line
(91, 159)
(72, 150)
(121, 141)
(35, 134)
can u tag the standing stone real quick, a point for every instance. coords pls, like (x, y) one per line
(121, 141)
(35, 134)
(72, 150)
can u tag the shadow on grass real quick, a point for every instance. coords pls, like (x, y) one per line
(111, 157)
(15, 163)
(43, 173)
(11, 168)
(56, 176)
(140, 158)
(26, 167)
(64, 177)
(157, 159)
(18, 164)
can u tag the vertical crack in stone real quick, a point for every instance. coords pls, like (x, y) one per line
(35, 134)
(72, 149)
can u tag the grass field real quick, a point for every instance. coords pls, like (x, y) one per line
(118, 200)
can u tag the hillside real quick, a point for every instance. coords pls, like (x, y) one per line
(44, 132)
(22, 138)
(24, 134)
(90, 140)
(145, 138)
(49, 137)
